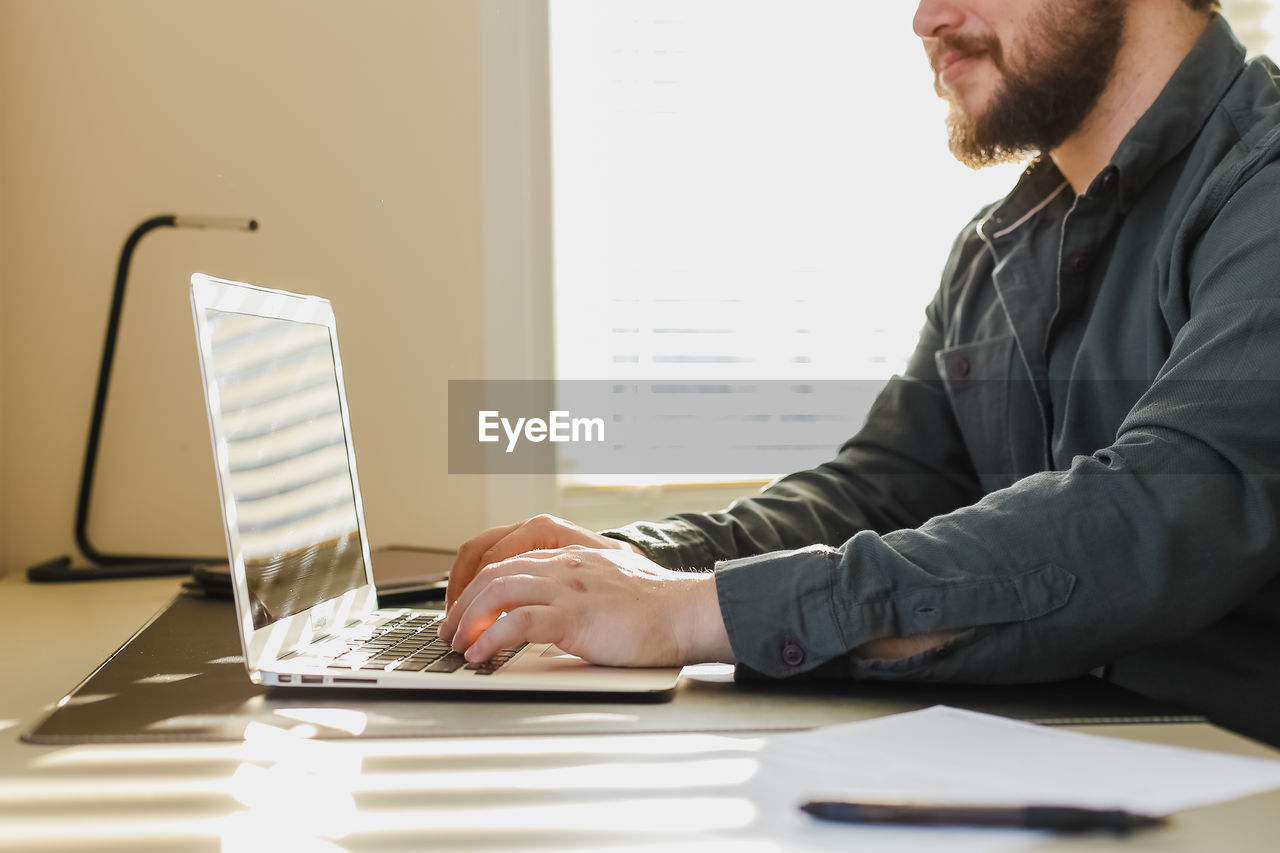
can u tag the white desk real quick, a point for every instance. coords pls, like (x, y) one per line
(278, 792)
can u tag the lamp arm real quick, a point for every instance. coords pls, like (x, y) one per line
(100, 400)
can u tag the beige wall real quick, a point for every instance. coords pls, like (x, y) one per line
(351, 130)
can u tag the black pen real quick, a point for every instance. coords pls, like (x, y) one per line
(1060, 818)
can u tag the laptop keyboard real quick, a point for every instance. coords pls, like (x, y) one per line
(411, 643)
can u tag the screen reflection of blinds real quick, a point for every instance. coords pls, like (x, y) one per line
(749, 190)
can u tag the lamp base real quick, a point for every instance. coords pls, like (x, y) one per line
(60, 569)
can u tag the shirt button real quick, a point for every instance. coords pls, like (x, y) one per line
(960, 367)
(792, 655)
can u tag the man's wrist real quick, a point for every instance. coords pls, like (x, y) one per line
(705, 638)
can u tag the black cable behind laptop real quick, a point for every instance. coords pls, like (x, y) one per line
(122, 565)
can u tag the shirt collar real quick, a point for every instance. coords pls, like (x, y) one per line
(1180, 110)
(1039, 185)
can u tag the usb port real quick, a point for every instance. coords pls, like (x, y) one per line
(285, 679)
(313, 679)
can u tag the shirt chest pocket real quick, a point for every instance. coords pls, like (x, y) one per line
(979, 380)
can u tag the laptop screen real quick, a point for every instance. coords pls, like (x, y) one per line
(289, 487)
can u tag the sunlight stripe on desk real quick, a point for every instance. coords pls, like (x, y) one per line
(646, 817)
(427, 748)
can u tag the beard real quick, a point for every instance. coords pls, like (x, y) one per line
(1068, 58)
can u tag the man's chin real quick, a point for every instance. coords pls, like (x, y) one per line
(967, 145)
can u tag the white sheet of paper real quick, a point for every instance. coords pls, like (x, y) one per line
(944, 754)
(947, 755)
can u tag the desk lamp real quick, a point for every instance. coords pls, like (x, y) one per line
(123, 565)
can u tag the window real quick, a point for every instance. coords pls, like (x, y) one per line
(1256, 23)
(748, 190)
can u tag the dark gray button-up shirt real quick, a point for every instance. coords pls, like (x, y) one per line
(1081, 464)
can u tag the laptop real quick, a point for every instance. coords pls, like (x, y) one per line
(301, 572)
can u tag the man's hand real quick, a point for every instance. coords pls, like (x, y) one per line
(542, 532)
(606, 606)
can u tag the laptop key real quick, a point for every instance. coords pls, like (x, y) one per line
(493, 664)
(418, 664)
(450, 662)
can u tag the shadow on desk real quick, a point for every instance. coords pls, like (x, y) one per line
(182, 678)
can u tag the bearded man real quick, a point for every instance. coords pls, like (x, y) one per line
(1079, 470)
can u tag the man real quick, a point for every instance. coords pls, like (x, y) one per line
(1080, 468)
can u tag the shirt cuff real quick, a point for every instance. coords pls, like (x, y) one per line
(778, 610)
